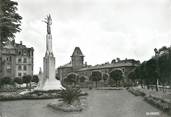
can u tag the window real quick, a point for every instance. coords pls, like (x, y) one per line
(25, 60)
(25, 53)
(19, 60)
(19, 52)
(19, 67)
(24, 74)
(10, 58)
(19, 74)
(25, 67)
(8, 68)
(7, 58)
(123, 69)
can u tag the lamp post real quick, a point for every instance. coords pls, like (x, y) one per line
(157, 67)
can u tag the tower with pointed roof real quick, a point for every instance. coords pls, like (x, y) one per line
(77, 59)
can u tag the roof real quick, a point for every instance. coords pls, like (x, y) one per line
(116, 65)
(12, 45)
(66, 65)
(77, 52)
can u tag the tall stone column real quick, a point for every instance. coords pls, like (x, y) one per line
(49, 59)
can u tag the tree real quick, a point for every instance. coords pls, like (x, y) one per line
(141, 73)
(116, 75)
(113, 61)
(27, 79)
(35, 79)
(152, 72)
(82, 78)
(156, 69)
(18, 80)
(132, 76)
(118, 59)
(165, 69)
(72, 78)
(10, 20)
(96, 76)
(105, 76)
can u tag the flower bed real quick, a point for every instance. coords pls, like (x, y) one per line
(77, 106)
(11, 89)
(110, 88)
(164, 105)
(136, 92)
(51, 94)
(73, 100)
(30, 95)
(153, 98)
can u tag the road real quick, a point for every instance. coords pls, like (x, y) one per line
(101, 103)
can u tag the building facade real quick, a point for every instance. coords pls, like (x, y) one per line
(16, 60)
(78, 66)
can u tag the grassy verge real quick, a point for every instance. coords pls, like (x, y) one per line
(153, 98)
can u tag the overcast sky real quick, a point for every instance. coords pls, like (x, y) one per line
(103, 29)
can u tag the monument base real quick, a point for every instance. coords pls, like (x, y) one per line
(52, 85)
(46, 85)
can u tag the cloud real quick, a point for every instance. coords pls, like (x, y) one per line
(103, 29)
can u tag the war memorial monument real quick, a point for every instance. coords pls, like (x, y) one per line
(47, 78)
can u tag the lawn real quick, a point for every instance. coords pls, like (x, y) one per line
(101, 103)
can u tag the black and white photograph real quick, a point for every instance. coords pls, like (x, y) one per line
(85, 58)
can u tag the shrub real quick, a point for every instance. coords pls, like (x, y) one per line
(117, 76)
(82, 79)
(6, 81)
(69, 95)
(72, 78)
(27, 79)
(96, 76)
(35, 79)
(18, 80)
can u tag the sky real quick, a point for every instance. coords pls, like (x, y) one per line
(103, 29)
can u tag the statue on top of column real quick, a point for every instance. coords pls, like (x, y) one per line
(48, 21)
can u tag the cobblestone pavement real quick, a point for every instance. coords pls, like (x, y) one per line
(101, 103)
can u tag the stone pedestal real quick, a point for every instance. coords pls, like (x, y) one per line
(49, 80)
(52, 85)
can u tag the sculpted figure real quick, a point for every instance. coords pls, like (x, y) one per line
(48, 21)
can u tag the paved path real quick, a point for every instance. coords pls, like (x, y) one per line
(101, 104)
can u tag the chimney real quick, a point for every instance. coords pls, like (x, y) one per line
(21, 43)
(13, 42)
(86, 64)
